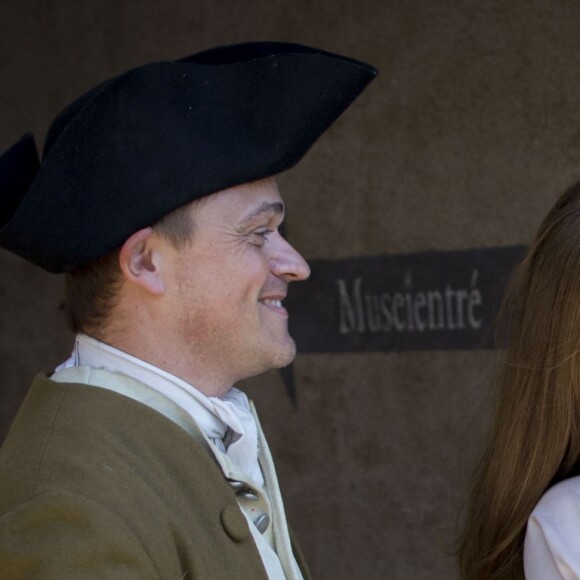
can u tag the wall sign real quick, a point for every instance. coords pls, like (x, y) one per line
(422, 301)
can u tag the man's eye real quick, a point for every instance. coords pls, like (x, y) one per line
(263, 233)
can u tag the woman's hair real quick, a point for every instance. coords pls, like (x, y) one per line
(534, 440)
(91, 291)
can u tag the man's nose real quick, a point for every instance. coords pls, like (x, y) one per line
(287, 263)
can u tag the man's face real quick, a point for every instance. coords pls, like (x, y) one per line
(228, 284)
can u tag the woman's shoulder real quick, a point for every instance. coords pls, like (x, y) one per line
(552, 543)
(562, 497)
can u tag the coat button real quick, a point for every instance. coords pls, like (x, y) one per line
(262, 523)
(234, 523)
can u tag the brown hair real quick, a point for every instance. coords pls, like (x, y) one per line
(91, 290)
(534, 440)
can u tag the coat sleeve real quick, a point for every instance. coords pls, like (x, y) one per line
(552, 543)
(60, 536)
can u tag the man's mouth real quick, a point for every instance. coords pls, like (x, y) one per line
(272, 302)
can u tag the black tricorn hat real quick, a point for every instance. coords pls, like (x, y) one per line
(139, 145)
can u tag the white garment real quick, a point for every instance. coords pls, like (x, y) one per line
(552, 543)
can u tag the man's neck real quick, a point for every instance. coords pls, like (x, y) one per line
(186, 367)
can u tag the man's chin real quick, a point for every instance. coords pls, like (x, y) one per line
(285, 355)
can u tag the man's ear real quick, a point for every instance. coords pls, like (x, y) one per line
(140, 261)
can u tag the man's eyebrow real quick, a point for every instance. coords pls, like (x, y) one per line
(274, 208)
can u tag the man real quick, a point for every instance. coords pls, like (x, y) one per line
(156, 196)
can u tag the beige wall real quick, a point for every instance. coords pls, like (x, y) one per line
(463, 141)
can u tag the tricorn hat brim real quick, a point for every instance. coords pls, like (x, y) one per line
(140, 145)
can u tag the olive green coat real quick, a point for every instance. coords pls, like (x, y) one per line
(96, 485)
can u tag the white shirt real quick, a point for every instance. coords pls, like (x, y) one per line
(552, 543)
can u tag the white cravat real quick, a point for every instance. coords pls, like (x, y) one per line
(213, 415)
